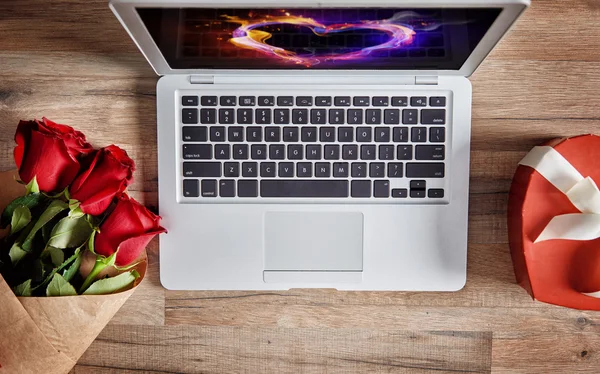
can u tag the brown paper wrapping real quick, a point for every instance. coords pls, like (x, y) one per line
(49, 334)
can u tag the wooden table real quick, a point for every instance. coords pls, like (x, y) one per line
(70, 60)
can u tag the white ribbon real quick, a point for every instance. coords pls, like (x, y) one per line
(581, 191)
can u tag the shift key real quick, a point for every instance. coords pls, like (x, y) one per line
(201, 169)
(425, 170)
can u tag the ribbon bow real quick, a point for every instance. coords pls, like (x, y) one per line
(581, 191)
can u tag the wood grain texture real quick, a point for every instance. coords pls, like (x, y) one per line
(71, 61)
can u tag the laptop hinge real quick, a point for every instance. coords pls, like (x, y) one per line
(202, 79)
(430, 80)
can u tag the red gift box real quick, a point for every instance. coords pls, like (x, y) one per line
(553, 222)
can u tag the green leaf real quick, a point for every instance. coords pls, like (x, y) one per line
(55, 207)
(32, 186)
(70, 232)
(70, 273)
(111, 285)
(66, 263)
(21, 218)
(59, 286)
(30, 201)
(56, 255)
(16, 253)
(23, 289)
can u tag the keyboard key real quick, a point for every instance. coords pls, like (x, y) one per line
(222, 151)
(282, 116)
(295, 152)
(430, 152)
(359, 170)
(410, 116)
(382, 134)
(391, 116)
(349, 152)
(399, 101)
(418, 185)
(336, 116)
(367, 152)
(313, 152)
(191, 188)
(285, 100)
(291, 134)
(437, 134)
(247, 100)
(201, 169)
(361, 101)
(433, 116)
(377, 170)
(332, 152)
(263, 116)
(189, 100)
(208, 116)
(308, 134)
(361, 189)
(194, 133)
(286, 169)
(322, 170)
(373, 116)
(381, 188)
(318, 116)
(323, 101)
(244, 116)
(266, 101)
(404, 152)
(227, 188)
(189, 116)
(418, 101)
(437, 101)
(425, 170)
(386, 152)
(435, 193)
(254, 134)
(381, 101)
(304, 170)
(249, 169)
(209, 188)
(363, 134)
(240, 151)
(299, 116)
(417, 193)
(231, 169)
(208, 101)
(228, 100)
(268, 170)
(304, 101)
(258, 152)
(355, 116)
(272, 134)
(327, 135)
(399, 193)
(340, 170)
(235, 134)
(226, 116)
(342, 101)
(304, 188)
(247, 188)
(276, 151)
(400, 134)
(217, 134)
(345, 135)
(197, 151)
(418, 134)
(395, 170)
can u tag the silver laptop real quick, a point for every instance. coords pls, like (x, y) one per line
(314, 143)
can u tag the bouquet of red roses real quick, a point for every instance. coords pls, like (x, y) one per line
(69, 230)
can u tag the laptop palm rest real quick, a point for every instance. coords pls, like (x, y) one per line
(313, 247)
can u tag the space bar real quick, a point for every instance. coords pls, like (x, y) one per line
(303, 188)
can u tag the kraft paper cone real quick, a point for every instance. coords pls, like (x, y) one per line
(49, 334)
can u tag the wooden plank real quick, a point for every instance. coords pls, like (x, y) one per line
(194, 349)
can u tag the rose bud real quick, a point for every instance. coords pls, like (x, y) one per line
(49, 152)
(109, 173)
(128, 229)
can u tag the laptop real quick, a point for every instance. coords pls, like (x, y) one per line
(314, 143)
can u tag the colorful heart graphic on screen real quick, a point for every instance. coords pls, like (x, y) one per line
(249, 36)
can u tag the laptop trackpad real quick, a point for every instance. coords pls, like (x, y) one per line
(310, 241)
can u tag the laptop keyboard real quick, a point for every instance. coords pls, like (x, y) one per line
(321, 147)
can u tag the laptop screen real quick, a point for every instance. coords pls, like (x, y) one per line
(349, 38)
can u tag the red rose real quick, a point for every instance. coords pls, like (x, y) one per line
(49, 152)
(128, 229)
(110, 172)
